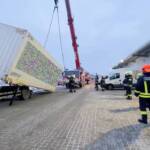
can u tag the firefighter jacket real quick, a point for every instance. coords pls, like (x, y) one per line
(143, 87)
(128, 81)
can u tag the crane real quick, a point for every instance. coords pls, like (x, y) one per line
(84, 75)
(73, 35)
(79, 72)
(72, 31)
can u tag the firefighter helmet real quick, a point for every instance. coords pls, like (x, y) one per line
(128, 73)
(146, 68)
(73, 76)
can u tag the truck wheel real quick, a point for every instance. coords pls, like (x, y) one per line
(25, 94)
(80, 85)
(110, 87)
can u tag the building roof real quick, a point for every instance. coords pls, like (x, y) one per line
(143, 52)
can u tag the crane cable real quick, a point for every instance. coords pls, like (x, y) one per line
(50, 26)
(60, 38)
(59, 30)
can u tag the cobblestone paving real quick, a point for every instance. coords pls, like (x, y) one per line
(87, 120)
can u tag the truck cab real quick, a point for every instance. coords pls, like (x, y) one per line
(79, 79)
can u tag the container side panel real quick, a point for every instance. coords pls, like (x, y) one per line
(35, 68)
(33, 62)
(10, 41)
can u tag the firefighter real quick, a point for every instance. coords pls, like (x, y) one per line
(125, 84)
(72, 84)
(128, 83)
(102, 83)
(14, 89)
(96, 82)
(139, 75)
(142, 90)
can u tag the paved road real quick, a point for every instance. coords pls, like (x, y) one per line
(87, 120)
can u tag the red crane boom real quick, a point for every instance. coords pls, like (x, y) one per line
(73, 35)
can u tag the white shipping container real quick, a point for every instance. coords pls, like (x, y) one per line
(25, 61)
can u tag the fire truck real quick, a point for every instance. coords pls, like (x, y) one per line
(79, 78)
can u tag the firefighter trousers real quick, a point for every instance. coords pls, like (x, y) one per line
(129, 92)
(144, 103)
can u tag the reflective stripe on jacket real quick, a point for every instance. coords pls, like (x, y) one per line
(143, 87)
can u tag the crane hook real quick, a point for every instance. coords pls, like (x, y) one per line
(56, 2)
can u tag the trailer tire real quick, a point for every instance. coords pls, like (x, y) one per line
(25, 94)
(110, 87)
(80, 85)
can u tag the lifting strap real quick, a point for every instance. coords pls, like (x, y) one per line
(59, 30)
(49, 30)
(60, 38)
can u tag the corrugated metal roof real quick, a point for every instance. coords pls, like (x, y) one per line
(143, 52)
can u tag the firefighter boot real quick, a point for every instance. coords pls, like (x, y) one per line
(143, 120)
(129, 97)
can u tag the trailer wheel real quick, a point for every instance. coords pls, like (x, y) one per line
(110, 87)
(25, 94)
(80, 85)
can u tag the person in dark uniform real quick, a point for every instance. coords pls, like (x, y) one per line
(102, 83)
(125, 81)
(72, 84)
(96, 82)
(14, 89)
(142, 90)
(128, 83)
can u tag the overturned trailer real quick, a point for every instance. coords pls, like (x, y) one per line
(24, 63)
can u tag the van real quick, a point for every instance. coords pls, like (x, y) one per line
(115, 80)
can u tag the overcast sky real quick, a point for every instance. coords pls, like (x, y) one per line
(107, 30)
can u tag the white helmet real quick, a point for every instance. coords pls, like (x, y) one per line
(128, 73)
